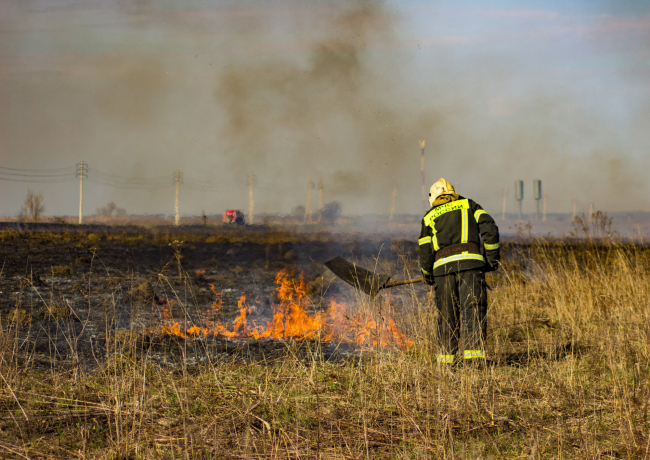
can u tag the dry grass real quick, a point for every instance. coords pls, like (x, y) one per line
(61, 270)
(569, 349)
(54, 312)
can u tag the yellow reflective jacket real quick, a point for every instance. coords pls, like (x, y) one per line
(455, 236)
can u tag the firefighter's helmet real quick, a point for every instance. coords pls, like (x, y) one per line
(441, 187)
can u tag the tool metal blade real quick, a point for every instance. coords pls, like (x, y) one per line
(366, 281)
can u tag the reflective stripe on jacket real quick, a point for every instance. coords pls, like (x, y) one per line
(457, 226)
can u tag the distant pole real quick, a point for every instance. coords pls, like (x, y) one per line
(505, 198)
(574, 208)
(591, 211)
(251, 203)
(308, 211)
(425, 202)
(81, 171)
(544, 207)
(537, 194)
(321, 197)
(177, 216)
(392, 204)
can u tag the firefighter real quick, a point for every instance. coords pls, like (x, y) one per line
(458, 243)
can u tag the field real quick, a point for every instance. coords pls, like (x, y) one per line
(237, 343)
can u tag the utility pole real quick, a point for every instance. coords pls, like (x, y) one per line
(81, 172)
(505, 198)
(177, 181)
(392, 203)
(425, 202)
(321, 198)
(537, 194)
(591, 211)
(574, 209)
(251, 203)
(308, 211)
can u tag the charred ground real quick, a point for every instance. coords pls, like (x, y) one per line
(62, 290)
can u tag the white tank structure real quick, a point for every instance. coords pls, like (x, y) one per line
(519, 194)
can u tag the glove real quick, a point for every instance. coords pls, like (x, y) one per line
(427, 279)
(492, 265)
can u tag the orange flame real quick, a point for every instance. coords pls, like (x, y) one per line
(291, 320)
(165, 308)
(215, 308)
(239, 325)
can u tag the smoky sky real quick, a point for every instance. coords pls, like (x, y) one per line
(291, 91)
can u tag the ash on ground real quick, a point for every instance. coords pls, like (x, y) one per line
(66, 298)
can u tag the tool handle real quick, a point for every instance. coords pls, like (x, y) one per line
(400, 283)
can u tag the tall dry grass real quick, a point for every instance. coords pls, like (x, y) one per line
(569, 356)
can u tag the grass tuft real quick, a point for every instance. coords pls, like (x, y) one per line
(61, 270)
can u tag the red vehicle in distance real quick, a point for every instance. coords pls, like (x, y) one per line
(233, 216)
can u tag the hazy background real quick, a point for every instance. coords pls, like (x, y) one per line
(291, 90)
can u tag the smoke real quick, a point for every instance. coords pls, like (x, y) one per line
(133, 91)
(353, 109)
(335, 110)
(294, 90)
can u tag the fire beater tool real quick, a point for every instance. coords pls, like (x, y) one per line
(366, 281)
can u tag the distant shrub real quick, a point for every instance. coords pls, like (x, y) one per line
(33, 208)
(111, 210)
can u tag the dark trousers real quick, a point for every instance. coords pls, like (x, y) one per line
(461, 299)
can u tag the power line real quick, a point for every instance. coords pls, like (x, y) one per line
(113, 180)
(57, 175)
(51, 170)
(204, 186)
(40, 181)
(53, 175)
(199, 188)
(92, 175)
(125, 185)
(125, 179)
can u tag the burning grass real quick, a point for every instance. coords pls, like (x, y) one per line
(569, 348)
(292, 321)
